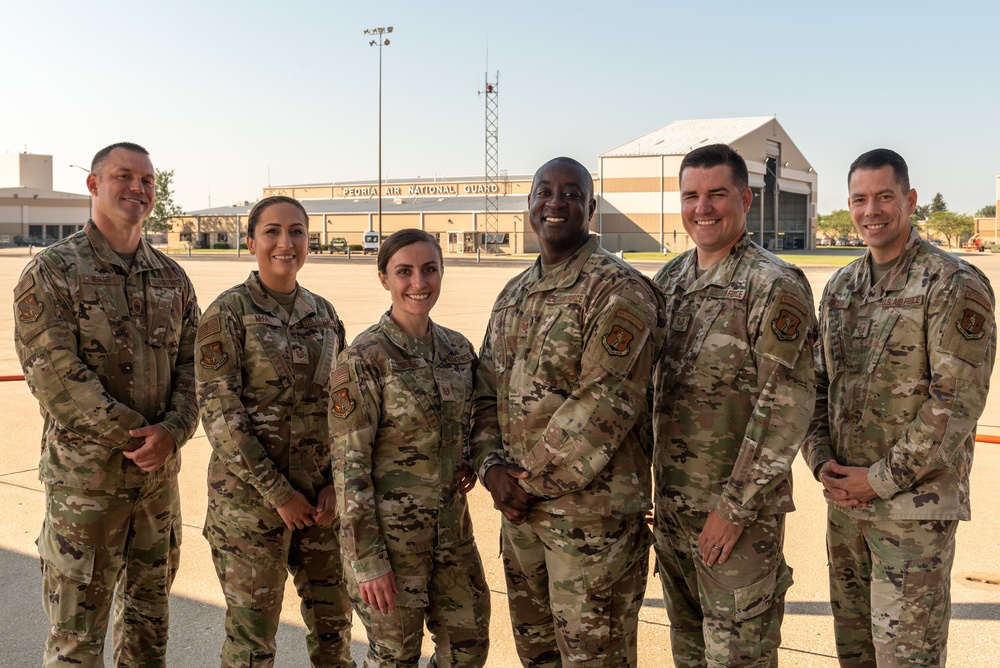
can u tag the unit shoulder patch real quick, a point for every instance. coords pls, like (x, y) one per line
(968, 330)
(783, 330)
(341, 404)
(29, 309)
(213, 356)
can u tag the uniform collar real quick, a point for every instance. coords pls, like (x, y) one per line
(413, 346)
(895, 280)
(722, 273)
(145, 258)
(304, 306)
(562, 275)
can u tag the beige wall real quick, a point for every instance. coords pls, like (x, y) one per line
(26, 170)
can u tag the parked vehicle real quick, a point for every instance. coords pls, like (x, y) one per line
(314, 246)
(370, 243)
(338, 245)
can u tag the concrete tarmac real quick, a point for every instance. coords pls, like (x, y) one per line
(196, 625)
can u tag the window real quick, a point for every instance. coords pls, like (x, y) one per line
(223, 237)
(186, 236)
(499, 238)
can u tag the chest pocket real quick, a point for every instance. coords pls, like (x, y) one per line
(163, 295)
(714, 342)
(413, 382)
(266, 369)
(317, 337)
(100, 314)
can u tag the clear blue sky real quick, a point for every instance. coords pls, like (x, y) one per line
(226, 93)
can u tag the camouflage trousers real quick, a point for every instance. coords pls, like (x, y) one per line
(728, 615)
(575, 586)
(252, 572)
(890, 587)
(98, 547)
(447, 589)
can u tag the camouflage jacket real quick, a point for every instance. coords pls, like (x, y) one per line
(263, 383)
(734, 389)
(105, 349)
(562, 384)
(903, 371)
(400, 414)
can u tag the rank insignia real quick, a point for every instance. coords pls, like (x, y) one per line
(861, 329)
(786, 325)
(29, 308)
(616, 342)
(212, 355)
(970, 325)
(342, 403)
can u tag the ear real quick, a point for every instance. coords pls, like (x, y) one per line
(384, 280)
(591, 208)
(747, 200)
(911, 200)
(92, 183)
(250, 244)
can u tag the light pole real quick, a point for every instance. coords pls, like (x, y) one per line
(90, 200)
(379, 40)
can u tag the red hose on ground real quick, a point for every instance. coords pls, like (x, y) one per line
(5, 378)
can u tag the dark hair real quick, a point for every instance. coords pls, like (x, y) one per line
(103, 154)
(588, 180)
(402, 239)
(879, 158)
(713, 155)
(258, 210)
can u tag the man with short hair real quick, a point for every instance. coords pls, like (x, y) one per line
(906, 348)
(733, 396)
(104, 329)
(560, 435)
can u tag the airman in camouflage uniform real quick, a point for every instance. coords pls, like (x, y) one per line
(403, 400)
(561, 434)
(263, 373)
(733, 396)
(400, 417)
(907, 345)
(104, 328)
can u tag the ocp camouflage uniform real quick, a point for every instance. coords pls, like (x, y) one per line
(562, 392)
(400, 415)
(107, 348)
(734, 393)
(903, 369)
(263, 382)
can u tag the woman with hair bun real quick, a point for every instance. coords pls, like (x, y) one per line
(265, 352)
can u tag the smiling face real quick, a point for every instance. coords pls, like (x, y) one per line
(280, 244)
(560, 206)
(713, 210)
(413, 278)
(123, 189)
(881, 209)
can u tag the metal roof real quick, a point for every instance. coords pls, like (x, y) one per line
(389, 182)
(36, 193)
(680, 137)
(405, 204)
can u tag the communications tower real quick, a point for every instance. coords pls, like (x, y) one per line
(491, 228)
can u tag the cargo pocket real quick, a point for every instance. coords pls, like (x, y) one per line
(66, 564)
(756, 629)
(392, 629)
(921, 620)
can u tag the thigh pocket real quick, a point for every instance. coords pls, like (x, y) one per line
(924, 615)
(395, 630)
(66, 565)
(65, 558)
(592, 596)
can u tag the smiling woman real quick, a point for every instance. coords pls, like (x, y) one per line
(400, 416)
(265, 352)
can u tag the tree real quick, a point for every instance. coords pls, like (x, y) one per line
(951, 224)
(938, 203)
(836, 224)
(920, 213)
(988, 211)
(164, 208)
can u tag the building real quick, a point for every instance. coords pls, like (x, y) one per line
(452, 208)
(639, 205)
(30, 211)
(636, 187)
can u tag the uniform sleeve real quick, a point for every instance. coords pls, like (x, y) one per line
(485, 442)
(588, 427)
(46, 338)
(181, 418)
(355, 409)
(961, 346)
(782, 345)
(219, 374)
(817, 448)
